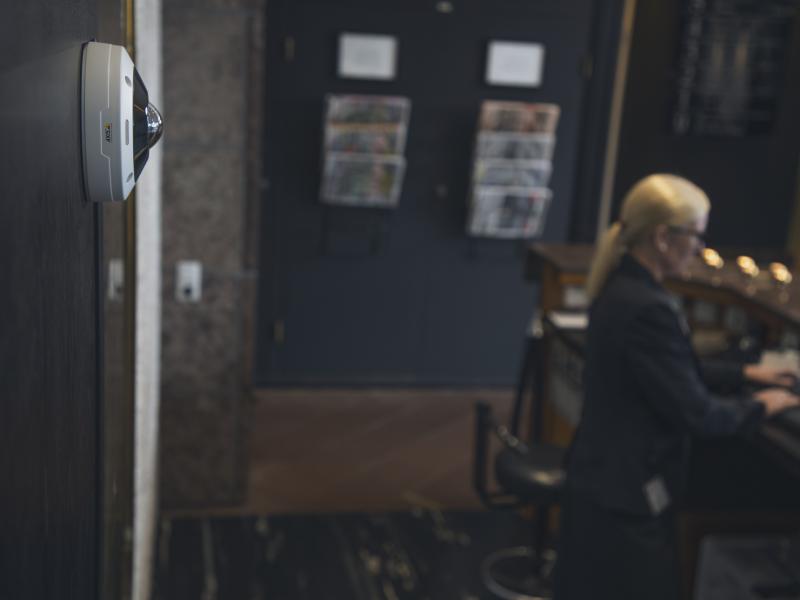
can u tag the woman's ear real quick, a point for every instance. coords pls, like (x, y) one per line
(660, 234)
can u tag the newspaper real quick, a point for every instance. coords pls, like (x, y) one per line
(508, 212)
(365, 139)
(367, 109)
(515, 146)
(362, 179)
(513, 173)
(519, 117)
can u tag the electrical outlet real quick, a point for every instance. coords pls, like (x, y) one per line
(188, 281)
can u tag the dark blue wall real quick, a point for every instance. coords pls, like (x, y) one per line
(405, 296)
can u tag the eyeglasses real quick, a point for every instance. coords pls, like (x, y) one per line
(700, 236)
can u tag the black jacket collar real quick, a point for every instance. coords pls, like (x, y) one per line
(632, 268)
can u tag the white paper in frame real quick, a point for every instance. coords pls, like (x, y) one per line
(516, 64)
(367, 56)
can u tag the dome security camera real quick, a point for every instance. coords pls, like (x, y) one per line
(119, 125)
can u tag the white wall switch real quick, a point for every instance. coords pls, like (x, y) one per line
(116, 279)
(188, 281)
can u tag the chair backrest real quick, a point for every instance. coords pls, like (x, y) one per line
(484, 425)
(531, 381)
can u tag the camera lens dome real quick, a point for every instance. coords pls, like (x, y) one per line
(147, 124)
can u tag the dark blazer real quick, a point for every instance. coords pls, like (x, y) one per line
(645, 393)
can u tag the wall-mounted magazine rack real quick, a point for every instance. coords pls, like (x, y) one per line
(365, 138)
(511, 170)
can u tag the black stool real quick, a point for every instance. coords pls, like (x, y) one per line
(527, 475)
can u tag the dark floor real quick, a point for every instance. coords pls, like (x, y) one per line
(419, 555)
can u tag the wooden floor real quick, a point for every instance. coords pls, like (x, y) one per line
(315, 451)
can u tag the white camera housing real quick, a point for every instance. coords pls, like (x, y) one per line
(119, 125)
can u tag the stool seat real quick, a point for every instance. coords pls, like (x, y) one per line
(536, 476)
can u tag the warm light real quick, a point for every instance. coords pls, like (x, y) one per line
(748, 266)
(780, 273)
(712, 258)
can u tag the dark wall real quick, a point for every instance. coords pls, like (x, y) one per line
(49, 324)
(607, 20)
(750, 179)
(116, 413)
(404, 296)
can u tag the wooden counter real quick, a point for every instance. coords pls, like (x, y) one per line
(560, 267)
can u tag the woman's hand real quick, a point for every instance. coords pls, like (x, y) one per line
(776, 399)
(765, 375)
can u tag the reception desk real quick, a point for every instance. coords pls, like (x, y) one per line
(561, 270)
(767, 312)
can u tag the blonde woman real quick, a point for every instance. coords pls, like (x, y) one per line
(645, 394)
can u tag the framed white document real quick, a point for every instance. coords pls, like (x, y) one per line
(516, 64)
(367, 56)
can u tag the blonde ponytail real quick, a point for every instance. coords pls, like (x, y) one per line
(607, 255)
(657, 199)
